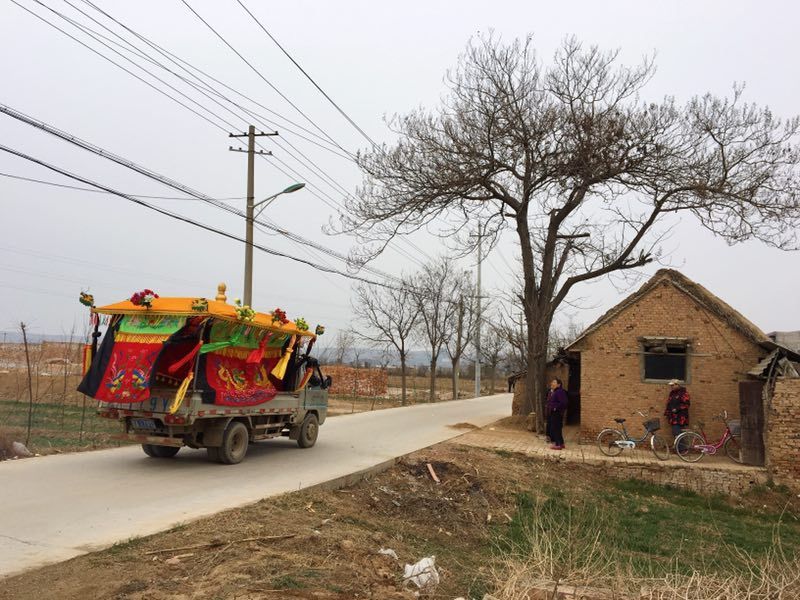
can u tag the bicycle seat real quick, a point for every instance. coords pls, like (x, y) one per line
(620, 421)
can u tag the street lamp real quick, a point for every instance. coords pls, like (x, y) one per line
(265, 202)
(248, 248)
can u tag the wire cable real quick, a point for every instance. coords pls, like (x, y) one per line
(93, 191)
(177, 185)
(184, 219)
(311, 79)
(257, 72)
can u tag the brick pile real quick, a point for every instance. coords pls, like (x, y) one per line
(361, 382)
(783, 434)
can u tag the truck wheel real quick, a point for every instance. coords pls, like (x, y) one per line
(308, 431)
(234, 443)
(149, 449)
(156, 451)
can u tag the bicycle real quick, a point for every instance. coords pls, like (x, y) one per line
(613, 441)
(691, 446)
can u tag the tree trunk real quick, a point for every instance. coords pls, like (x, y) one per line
(535, 385)
(432, 395)
(494, 374)
(402, 379)
(455, 363)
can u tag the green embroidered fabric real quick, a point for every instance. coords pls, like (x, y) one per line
(225, 334)
(151, 324)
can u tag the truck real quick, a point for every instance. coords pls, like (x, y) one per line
(184, 371)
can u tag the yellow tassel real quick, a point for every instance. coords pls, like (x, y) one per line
(280, 369)
(179, 395)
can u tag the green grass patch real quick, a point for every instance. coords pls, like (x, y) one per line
(655, 530)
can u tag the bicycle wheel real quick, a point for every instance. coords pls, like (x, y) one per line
(733, 448)
(688, 446)
(659, 446)
(606, 442)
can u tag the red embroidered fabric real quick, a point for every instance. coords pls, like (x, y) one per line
(127, 376)
(237, 382)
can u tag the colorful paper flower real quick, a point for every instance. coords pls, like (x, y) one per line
(243, 312)
(87, 299)
(144, 298)
(319, 330)
(279, 316)
(301, 324)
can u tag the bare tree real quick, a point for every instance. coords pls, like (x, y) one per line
(510, 326)
(389, 316)
(343, 343)
(492, 346)
(586, 172)
(434, 290)
(462, 328)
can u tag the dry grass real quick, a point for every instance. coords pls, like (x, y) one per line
(566, 555)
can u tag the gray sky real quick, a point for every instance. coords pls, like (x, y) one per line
(374, 59)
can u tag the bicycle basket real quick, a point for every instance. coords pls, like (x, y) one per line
(736, 427)
(652, 425)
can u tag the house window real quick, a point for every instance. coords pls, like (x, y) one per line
(664, 359)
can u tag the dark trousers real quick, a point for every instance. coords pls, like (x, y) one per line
(555, 422)
(676, 431)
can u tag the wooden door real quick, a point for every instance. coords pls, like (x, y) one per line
(751, 409)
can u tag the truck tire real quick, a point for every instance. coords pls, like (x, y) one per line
(308, 431)
(156, 451)
(234, 443)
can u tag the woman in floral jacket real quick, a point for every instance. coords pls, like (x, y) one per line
(677, 411)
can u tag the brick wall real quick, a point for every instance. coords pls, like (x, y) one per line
(362, 382)
(782, 443)
(729, 482)
(611, 380)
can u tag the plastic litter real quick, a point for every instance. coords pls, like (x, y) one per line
(423, 574)
(19, 449)
(388, 552)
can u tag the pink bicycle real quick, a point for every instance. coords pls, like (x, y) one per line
(691, 446)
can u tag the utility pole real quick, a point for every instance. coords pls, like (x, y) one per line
(251, 136)
(478, 325)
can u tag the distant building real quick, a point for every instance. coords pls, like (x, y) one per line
(789, 339)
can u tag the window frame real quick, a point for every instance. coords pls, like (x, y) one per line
(648, 341)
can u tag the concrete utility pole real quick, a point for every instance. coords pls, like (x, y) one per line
(248, 249)
(478, 325)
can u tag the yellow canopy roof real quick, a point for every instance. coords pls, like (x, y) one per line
(183, 307)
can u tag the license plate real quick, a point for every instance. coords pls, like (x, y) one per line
(143, 423)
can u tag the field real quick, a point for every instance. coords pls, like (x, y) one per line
(497, 523)
(63, 420)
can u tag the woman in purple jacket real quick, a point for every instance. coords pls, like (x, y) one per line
(556, 406)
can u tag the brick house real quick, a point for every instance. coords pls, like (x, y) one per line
(670, 328)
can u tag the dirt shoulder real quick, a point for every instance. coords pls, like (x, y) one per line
(334, 551)
(319, 544)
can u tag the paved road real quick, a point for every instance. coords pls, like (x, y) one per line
(56, 507)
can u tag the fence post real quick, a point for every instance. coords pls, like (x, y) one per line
(22, 326)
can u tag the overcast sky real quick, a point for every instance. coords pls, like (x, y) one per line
(374, 59)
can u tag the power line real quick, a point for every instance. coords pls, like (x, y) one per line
(93, 191)
(183, 64)
(96, 35)
(303, 71)
(183, 218)
(257, 72)
(174, 184)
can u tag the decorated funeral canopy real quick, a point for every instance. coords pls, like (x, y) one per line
(237, 356)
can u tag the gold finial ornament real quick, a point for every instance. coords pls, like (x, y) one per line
(221, 297)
